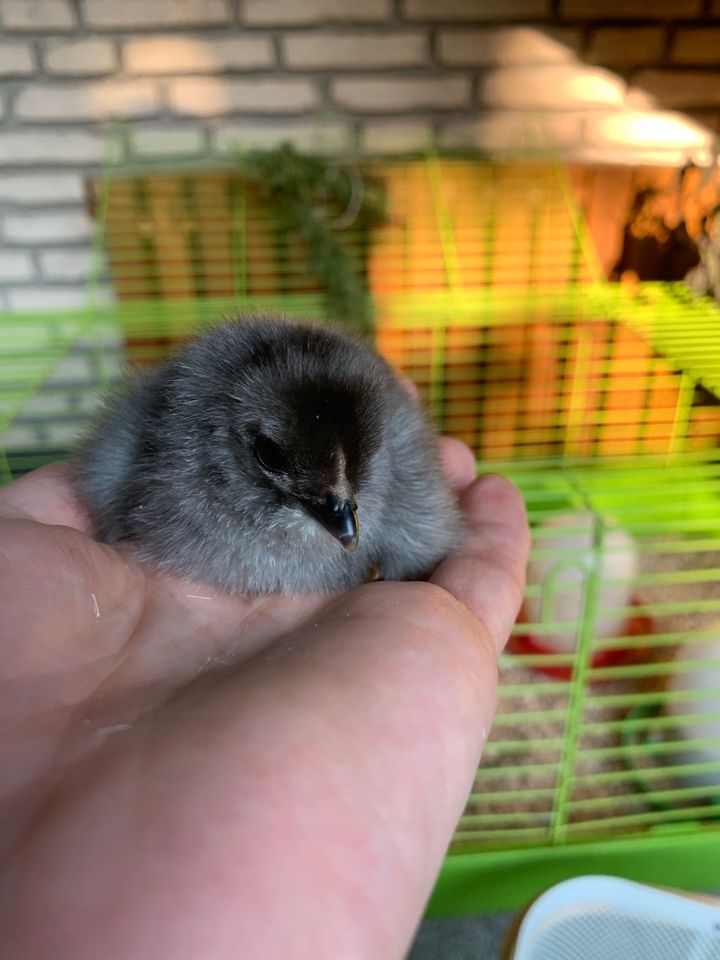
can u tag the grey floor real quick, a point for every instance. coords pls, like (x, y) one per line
(462, 938)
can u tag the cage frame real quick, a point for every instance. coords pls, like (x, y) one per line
(475, 879)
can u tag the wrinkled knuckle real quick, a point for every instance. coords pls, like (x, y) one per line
(485, 640)
(433, 598)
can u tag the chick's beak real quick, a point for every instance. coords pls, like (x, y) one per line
(339, 518)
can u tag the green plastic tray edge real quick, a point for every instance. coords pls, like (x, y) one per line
(507, 879)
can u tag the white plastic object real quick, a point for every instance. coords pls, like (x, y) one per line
(699, 695)
(608, 918)
(562, 576)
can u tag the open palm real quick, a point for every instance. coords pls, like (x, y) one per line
(190, 775)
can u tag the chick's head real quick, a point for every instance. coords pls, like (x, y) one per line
(305, 417)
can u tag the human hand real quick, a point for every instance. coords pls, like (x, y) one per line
(188, 775)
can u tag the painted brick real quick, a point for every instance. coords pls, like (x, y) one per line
(479, 10)
(629, 45)
(384, 137)
(64, 434)
(128, 14)
(16, 59)
(88, 101)
(15, 265)
(707, 118)
(391, 48)
(552, 87)
(70, 265)
(156, 140)
(697, 45)
(280, 12)
(89, 401)
(654, 130)
(637, 99)
(305, 135)
(506, 46)
(37, 14)
(639, 156)
(63, 146)
(516, 132)
(19, 437)
(90, 56)
(46, 228)
(190, 54)
(76, 367)
(388, 94)
(630, 9)
(47, 403)
(52, 298)
(212, 96)
(674, 88)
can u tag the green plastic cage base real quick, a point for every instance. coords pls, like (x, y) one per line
(485, 881)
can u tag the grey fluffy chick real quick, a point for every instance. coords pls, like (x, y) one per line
(271, 457)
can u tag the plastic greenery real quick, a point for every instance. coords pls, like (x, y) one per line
(314, 201)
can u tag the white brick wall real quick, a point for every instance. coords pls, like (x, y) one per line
(631, 9)
(19, 437)
(95, 55)
(127, 14)
(71, 265)
(166, 140)
(40, 15)
(16, 59)
(673, 88)
(193, 79)
(506, 47)
(393, 136)
(446, 10)
(15, 265)
(323, 138)
(697, 45)
(555, 87)
(183, 54)
(391, 94)
(352, 49)
(208, 97)
(517, 132)
(46, 227)
(283, 12)
(42, 189)
(47, 297)
(88, 101)
(622, 45)
(17, 149)
(655, 130)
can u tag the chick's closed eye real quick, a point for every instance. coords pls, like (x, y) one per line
(270, 456)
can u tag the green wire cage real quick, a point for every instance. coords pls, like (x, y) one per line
(599, 400)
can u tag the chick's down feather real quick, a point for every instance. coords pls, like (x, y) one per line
(270, 456)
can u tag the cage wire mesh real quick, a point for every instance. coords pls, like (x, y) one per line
(599, 400)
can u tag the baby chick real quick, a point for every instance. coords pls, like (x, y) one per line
(271, 456)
